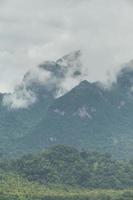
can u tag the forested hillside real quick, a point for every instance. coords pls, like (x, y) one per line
(63, 173)
(63, 165)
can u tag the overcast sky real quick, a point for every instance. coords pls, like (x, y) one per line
(32, 31)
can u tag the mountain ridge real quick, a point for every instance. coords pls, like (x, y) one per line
(90, 115)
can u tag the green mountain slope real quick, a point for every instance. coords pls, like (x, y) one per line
(90, 116)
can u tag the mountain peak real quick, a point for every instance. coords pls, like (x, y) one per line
(125, 77)
(70, 59)
(84, 83)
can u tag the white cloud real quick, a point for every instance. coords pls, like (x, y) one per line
(23, 96)
(32, 31)
(19, 99)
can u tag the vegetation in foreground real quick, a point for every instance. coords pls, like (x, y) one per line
(14, 187)
(63, 173)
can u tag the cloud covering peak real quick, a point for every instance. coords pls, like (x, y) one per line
(34, 31)
(49, 78)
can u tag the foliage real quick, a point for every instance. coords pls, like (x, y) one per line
(63, 165)
(14, 187)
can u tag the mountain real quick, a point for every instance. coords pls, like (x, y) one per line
(42, 112)
(91, 117)
(22, 110)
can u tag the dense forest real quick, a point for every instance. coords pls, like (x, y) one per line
(63, 172)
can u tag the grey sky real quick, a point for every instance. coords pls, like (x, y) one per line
(32, 31)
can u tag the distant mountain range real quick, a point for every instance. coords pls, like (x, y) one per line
(90, 116)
